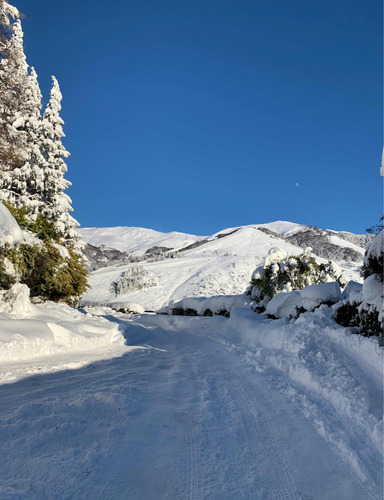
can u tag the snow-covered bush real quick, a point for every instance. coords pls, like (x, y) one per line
(7, 277)
(135, 278)
(364, 309)
(10, 231)
(36, 258)
(48, 273)
(374, 258)
(291, 304)
(40, 225)
(280, 273)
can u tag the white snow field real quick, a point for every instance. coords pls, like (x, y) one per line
(237, 408)
(221, 266)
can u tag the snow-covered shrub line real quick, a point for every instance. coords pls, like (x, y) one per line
(363, 308)
(206, 306)
(290, 304)
(118, 305)
(282, 273)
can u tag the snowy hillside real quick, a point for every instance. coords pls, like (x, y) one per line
(135, 240)
(205, 266)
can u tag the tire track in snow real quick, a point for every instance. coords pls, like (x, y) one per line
(279, 448)
(193, 460)
(329, 413)
(278, 465)
(259, 427)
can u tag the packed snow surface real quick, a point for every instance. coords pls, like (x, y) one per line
(244, 407)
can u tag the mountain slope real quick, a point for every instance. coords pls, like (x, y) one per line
(189, 265)
(135, 240)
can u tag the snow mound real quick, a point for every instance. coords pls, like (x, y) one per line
(10, 231)
(373, 293)
(30, 332)
(376, 248)
(117, 305)
(284, 304)
(352, 289)
(16, 301)
(201, 305)
(315, 295)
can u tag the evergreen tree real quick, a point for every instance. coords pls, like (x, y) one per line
(21, 183)
(32, 155)
(57, 203)
(12, 67)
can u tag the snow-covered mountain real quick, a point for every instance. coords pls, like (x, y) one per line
(135, 240)
(150, 268)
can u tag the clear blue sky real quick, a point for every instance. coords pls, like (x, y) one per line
(198, 115)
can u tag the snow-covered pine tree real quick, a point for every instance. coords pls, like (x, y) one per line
(12, 79)
(57, 203)
(20, 185)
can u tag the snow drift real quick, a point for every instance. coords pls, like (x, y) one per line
(53, 334)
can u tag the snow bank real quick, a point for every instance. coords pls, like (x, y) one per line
(352, 289)
(284, 305)
(216, 305)
(117, 305)
(315, 295)
(373, 290)
(10, 231)
(30, 332)
(334, 377)
(373, 294)
(16, 301)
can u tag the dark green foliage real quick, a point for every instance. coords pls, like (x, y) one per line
(41, 227)
(297, 271)
(348, 315)
(370, 324)
(223, 312)
(271, 282)
(373, 265)
(6, 280)
(259, 309)
(190, 312)
(41, 266)
(48, 274)
(366, 321)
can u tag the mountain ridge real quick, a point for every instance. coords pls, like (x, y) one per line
(177, 265)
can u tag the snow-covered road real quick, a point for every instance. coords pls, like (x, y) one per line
(181, 418)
